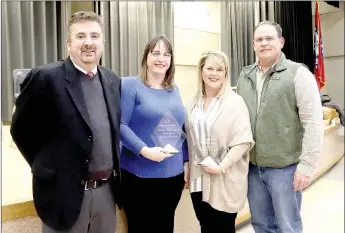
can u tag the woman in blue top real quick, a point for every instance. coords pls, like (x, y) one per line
(152, 119)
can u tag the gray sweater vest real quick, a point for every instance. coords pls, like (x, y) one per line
(101, 160)
(276, 127)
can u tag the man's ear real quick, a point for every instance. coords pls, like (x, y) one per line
(282, 41)
(68, 45)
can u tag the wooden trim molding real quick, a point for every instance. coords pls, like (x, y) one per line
(18, 210)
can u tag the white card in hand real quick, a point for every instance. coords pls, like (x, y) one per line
(208, 161)
(171, 149)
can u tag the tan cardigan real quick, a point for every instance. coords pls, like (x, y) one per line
(225, 192)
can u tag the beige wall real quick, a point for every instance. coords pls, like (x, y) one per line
(196, 29)
(16, 175)
(332, 25)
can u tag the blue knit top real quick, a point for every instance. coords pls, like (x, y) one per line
(151, 117)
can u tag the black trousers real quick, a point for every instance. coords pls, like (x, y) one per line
(210, 219)
(150, 203)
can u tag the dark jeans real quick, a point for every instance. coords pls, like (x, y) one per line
(150, 203)
(210, 219)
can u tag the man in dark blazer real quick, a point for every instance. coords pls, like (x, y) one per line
(66, 125)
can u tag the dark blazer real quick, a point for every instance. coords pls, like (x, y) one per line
(50, 127)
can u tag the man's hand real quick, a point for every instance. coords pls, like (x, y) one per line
(300, 182)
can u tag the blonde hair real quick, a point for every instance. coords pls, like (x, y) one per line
(168, 82)
(222, 59)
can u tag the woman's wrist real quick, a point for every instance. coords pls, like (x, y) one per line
(144, 151)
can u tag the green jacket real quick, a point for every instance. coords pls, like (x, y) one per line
(276, 127)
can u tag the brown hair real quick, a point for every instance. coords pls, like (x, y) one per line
(84, 15)
(274, 24)
(169, 76)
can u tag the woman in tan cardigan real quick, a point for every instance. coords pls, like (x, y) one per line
(219, 138)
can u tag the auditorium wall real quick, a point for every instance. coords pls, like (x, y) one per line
(332, 25)
(196, 29)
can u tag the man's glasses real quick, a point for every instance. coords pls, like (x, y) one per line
(268, 39)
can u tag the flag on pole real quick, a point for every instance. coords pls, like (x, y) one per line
(319, 68)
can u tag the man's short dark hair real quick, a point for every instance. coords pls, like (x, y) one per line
(274, 24)
(84, 15)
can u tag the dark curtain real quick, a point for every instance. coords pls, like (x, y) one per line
(295, 18)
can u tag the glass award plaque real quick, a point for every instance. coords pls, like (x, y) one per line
(168, 133)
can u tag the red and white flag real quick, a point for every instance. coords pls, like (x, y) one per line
(319, 68)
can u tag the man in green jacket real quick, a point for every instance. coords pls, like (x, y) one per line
(286, 117)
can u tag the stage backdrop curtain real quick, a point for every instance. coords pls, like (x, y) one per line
(238, 20)
(295, 18)
(128, 27)
(32, 34)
